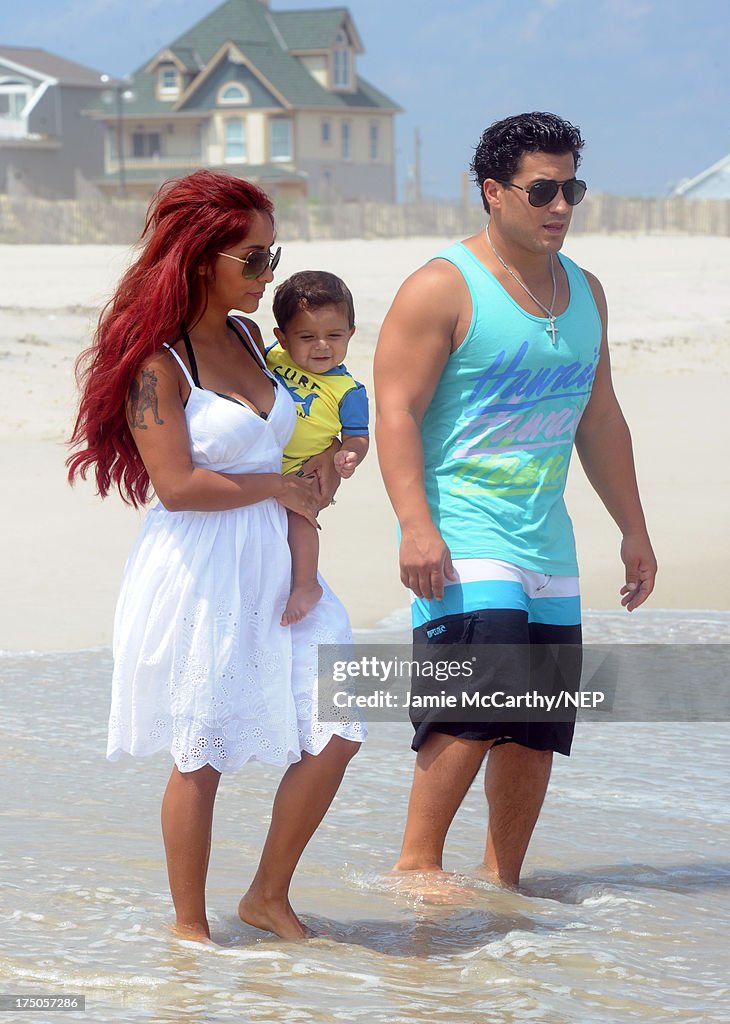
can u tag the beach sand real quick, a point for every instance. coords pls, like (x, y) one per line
(63, 550)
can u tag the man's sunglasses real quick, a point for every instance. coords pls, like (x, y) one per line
(257, 262)
(543, 192)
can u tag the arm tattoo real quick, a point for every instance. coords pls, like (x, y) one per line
(142, 398)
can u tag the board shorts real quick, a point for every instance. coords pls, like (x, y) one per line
(523, 631)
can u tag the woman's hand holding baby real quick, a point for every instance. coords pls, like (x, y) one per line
(300, 494)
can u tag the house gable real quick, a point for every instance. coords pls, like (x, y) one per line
(325, 42)
(45, 66)
(11, 72)
(204, 94)
(166, 56)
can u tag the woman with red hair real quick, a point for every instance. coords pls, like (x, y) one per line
(176, 397)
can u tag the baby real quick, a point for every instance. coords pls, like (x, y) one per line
(316, 319)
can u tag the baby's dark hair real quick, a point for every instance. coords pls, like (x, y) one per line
(504, 143)
(311, 289)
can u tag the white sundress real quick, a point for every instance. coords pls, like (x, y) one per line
(202, 666)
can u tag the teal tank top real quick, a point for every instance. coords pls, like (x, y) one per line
(498, 434)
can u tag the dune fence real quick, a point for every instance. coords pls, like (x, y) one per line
(26, 220)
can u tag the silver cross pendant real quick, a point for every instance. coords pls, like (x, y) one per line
(552, 330)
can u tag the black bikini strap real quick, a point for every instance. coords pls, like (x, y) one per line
(256, 356)
(191, 354)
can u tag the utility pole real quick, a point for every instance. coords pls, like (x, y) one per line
(417, 193)
(119, 91)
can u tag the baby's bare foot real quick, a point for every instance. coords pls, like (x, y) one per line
(272, 916)
(301, 600)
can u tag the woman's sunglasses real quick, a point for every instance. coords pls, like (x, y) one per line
(257, 262)
(543, 192)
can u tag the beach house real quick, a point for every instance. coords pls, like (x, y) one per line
(47, 146)
(272, 96)
(712, 183)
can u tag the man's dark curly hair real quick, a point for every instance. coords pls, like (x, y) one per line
(503, 144)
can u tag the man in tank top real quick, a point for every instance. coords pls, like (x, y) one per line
(492, 363)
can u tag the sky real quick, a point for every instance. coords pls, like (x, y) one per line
(647, 81)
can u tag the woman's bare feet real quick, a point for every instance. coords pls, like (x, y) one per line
(272, 916)
(301, 600)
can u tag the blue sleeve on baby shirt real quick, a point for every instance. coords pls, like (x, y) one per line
(354, 411)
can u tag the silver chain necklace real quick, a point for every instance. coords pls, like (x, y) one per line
(551, 329)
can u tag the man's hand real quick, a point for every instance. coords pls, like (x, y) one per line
(424, 562)
(638, 558)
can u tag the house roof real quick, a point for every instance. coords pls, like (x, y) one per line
(265, 37)
(712, 183)
(313, 29)
(50, 65)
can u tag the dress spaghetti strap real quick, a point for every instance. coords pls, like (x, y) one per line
(182, 365)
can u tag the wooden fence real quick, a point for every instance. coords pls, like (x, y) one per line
(25, 220)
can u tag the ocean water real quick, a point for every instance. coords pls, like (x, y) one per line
(622, 918)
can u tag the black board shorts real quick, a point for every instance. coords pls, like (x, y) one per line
(511, 656)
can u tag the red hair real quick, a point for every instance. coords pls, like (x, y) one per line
(189, 220)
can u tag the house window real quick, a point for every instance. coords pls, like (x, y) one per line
(281, 139)
(341, 68)
(346, 140)
(234, 93)
(235, 135)
(13, 98)
(326, 133)
(145, 145)
(169, 81)
(374, 140)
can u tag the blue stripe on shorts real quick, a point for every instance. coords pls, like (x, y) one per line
(555, 611)
(470, 597)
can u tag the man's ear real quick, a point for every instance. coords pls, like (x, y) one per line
(492, 190)
(280, 337)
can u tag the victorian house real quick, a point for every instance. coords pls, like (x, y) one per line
(272, 96)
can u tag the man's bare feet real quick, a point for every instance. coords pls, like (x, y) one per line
(269, 916)
(301, 600)
(192, 933)
(488, 874)
(431, 886)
